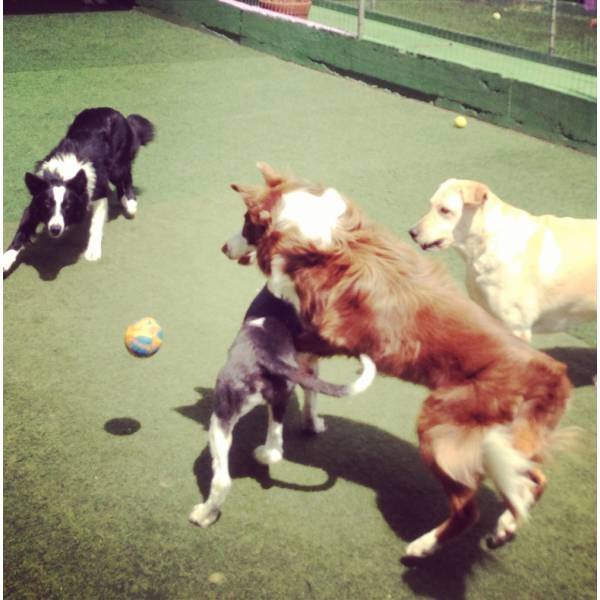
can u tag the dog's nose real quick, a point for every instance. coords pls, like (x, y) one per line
(413, 233)
(225, 250)
(55, 230)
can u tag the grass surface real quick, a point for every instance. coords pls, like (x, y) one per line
(88, 514)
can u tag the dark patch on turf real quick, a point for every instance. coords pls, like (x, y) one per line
(122, 426)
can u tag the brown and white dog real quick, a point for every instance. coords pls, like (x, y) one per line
(535, 273)
(495, 402)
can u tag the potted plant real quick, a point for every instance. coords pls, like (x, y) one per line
(296, 8)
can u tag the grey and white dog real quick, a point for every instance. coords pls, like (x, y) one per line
(263, 368)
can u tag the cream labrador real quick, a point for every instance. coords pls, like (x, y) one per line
(535, 273)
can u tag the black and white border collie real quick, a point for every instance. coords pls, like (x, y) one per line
(73, 179)
(263, 368)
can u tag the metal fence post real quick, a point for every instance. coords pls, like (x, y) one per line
(361, 19)
(552, 46)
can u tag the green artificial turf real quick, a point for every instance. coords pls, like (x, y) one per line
(90, 514)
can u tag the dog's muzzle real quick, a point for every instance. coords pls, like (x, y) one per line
(237, 248)
(55, 231)
(414, 234)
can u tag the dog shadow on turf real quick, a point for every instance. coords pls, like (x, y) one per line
(50, 256)
(409, 498)
(581, 363)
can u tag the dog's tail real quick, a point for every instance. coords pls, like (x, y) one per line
(142, 129)
(312, 382)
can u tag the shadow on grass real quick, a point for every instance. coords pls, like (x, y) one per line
(409, 498)
(50, 256)
(581, 363)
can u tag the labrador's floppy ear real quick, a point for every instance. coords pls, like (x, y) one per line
(474, 193)
(271, 177)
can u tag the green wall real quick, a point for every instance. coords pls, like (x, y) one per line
(547, 114)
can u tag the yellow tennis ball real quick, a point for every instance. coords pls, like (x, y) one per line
(460, 122)
(144, 337)
(497, 16)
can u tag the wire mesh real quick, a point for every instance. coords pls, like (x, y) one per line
(523, 23)
(549, 43)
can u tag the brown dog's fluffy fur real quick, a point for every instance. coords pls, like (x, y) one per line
(494, 400)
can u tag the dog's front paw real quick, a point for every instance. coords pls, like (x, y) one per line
(420, 548)
(8, 260)
(268, 456)
(203, 515)
(129, 206)
(93, 252)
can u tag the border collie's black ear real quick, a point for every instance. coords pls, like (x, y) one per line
(36, 185)
(78, 183)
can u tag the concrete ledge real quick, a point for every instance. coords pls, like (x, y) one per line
(543, 113)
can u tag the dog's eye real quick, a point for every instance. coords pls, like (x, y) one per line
(252, 232)
(445, 211)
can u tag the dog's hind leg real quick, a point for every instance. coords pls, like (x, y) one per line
(463, 513)
(277, 393)
(508, 522)
(312, 422)
(219, 436)
(508, 460)
(99, 213)
(452, 455)
(126, 194)
(272, 450)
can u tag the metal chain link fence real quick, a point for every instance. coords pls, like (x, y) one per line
(551, 43)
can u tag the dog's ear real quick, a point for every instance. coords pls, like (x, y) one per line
(36, 185)
(79, 183)
(271, 177)
(474, 193)
(241, 189)
(248, 194)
